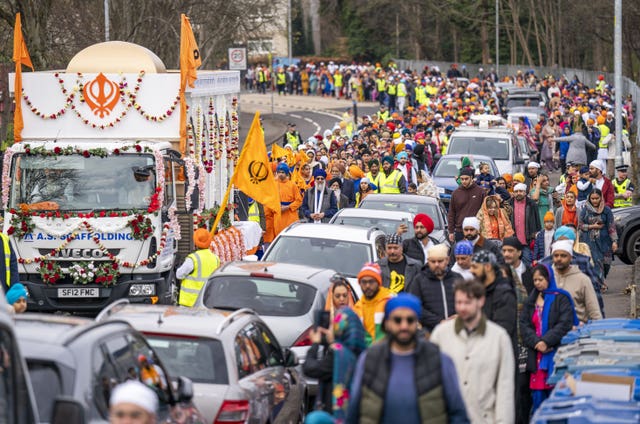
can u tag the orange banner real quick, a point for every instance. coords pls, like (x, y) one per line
(189, 62)
(20, 57)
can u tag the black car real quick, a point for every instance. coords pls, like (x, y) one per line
(83, 360)
(628, 226)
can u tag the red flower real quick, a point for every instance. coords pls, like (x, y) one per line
(27, 150)
(116, 151)
(86, 154)
(109, 277)
(57, 150)
(138, 148)
(102, 214)
(114, 265)
(56, 276)
(11, 230)
(50, 266)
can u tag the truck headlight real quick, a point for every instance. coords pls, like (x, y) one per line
(148, 289)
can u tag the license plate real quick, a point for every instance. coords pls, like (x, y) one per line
(79, 292)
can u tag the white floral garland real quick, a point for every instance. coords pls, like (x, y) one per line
(6, 180)
(191, 179)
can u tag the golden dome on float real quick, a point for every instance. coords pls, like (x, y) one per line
(115, 57)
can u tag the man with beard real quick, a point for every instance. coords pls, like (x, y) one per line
(405, 375)
(290, 201)
(533, 172)
(570, 278)
(370, 307)
(434, 288)
(466, 201)
(418, 246)
(319, 203)
(398, 270)
(374, 173)
(596, 170)
(391, 180)
(500, 305)
(471, 233)
(482, 354)
(512, 253)
(524, 219)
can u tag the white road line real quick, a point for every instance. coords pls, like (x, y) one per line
(308, 119)
(295, 116)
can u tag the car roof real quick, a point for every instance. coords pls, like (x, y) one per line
(401, 198)
(279, 270)
(460, 155)
(373, 213)
(350, 233)
(483, 132)
(177, 320)
(526, 109)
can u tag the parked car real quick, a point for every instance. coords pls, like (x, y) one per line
(386, 221)
(82, 359)
(524, 98)
(240, 372)
(16, 395)
(447, 169)
(628, 225)
(499, 143)
(413, 204)
(344, 249)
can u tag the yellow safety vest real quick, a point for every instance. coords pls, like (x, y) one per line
(293, 140)
(402, 90)
(337, 80)
(261, 76)
(254, 213)
(381, 84)
(604, 131)
(391, 89)
(7, 258)
(383, 116)
(621, 188)
(375, 181)
(282, 78)
(204, 263)
(389, 184)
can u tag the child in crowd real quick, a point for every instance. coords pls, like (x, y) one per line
(485, 179)
(544, 239)
(412, 188)
(584, 186)
(17, 298)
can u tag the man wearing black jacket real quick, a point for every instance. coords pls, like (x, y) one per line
(418, 246)
(501, 305)
(525, 219)
(512, 252)
(434, 288)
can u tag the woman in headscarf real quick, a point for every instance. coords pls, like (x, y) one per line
(365, 187)
(494, 223)
(567, 213)
(345, 340)
(548, 315)
(340, 294)
(598, 230)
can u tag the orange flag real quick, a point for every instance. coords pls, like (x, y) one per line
(189, 62)
(278, 152)
(20, 57)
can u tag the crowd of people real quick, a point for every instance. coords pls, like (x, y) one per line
(470, 334)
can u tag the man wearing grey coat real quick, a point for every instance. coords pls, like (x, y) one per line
(578, 145)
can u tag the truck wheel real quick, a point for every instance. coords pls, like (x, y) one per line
(632, 248)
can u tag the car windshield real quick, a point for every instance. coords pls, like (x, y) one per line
(414, 208)
(387, 226)
(75, 182)
(201, 360)
(494, 147)
(47, 385)
(342, 256)
(266, 296)
(523, 101)
(450, 167)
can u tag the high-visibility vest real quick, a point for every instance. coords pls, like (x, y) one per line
(293, 139)
(337, 80)
(391, 89)
(253, 214)
(204, 263)
(7, 258)
(604, 131)
(381, 85)
(261, 76)
(402, 90)
(621, 188)
(374, 180)
(383, 116)
(389, 184)
(282, 78)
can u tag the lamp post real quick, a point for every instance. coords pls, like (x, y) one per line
(290, 31)
(106, 20)
(498, 37)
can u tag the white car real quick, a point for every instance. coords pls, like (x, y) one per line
(386, 221)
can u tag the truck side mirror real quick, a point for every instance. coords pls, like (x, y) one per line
(67, 410)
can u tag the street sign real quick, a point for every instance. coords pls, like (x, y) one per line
(238, 58)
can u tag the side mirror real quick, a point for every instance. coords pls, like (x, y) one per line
(519, 161)
(185, 389)
(290, 359)
(67, 410)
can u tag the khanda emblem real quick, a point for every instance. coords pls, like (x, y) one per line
(258, 171)
(101, 95)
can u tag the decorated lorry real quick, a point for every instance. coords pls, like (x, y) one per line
(99, 198)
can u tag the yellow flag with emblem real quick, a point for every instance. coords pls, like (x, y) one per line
(253, 174)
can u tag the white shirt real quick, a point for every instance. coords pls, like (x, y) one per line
(548, 240)
(520, 269)
(426, 247)
(599, 183)
(466, 273)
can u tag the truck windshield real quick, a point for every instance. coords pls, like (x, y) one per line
(77, 183)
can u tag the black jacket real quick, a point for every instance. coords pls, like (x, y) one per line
(560, 323)
(412, 248)
(411, 270)
(501, 306)
(527, 279)
(436, 296)
(531, 218)
(322, 370)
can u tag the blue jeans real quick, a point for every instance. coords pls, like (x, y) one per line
(526, 255)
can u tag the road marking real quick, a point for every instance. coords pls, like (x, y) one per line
(295, 116)
(307, 119)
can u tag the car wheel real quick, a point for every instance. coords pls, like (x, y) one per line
(632, 248)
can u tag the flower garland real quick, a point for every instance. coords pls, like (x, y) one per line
(202, 181)
(128, 98)
(141, 227)
(155, 202)
(107, 273)
(6, 177)
(198, 133)
(20, 224)
(191, 180)
(82, 272)
(190, 143)
(235, 134)
(213, 142)
(50, 271)
(227, 137)
(217, 138)
(228, 244)
(208, 216)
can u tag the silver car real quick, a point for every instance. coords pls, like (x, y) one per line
(239, 371)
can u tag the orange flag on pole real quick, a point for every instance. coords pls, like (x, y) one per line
(253, 175)
(189, 62)
(20, 57)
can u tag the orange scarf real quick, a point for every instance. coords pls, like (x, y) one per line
(569, 216)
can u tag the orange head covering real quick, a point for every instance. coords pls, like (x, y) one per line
(329, 306)
(508, 178)
(355, 172)
(600, 119)
(202, 238)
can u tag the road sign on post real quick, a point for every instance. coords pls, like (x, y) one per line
(238, 58)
